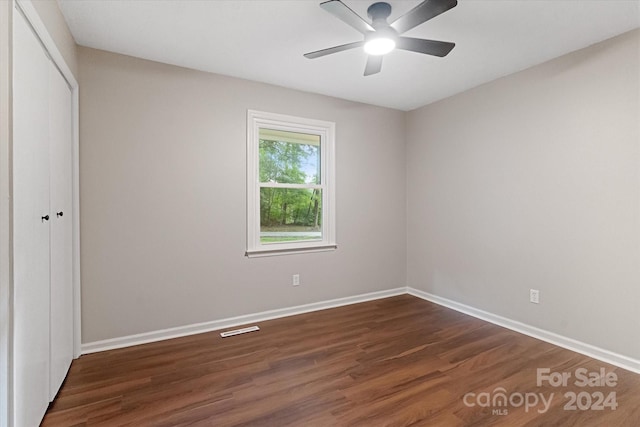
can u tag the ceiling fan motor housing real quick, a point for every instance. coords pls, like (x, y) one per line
(381, 33)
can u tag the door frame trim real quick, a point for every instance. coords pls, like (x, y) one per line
(6, 224)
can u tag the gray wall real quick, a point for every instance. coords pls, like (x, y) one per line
(162, 172)
(533, 181)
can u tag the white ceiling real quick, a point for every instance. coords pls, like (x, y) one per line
(263, 40)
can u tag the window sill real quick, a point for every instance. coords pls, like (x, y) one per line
(290, 251)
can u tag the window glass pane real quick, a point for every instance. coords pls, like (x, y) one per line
(289, 157)
(290, 214)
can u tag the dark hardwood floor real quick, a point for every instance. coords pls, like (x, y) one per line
(394, 362)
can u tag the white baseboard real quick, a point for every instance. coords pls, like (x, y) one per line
(198, 328)
(598, 353)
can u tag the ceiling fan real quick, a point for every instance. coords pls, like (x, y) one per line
(380, 37)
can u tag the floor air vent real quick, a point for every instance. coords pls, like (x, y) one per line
(239, 331)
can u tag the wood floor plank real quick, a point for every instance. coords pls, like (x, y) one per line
(400, 361)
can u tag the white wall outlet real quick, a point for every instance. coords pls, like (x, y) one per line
(534, 296)
(295, 280)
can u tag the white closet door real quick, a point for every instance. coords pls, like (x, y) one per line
(60, 138)
(31, 229)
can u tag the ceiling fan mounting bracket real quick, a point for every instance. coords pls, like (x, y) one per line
(379, 11)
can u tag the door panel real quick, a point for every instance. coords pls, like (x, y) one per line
(60, 139)
(31, 231)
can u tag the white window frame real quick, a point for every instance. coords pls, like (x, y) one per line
(326, 130)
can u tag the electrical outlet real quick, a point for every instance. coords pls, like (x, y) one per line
(534, 296)
(295, 280)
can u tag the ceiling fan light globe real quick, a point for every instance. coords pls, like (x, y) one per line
(379, 46)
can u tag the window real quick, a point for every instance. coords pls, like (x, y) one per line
(290, 184)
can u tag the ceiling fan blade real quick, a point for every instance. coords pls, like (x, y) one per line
(374, 65)
(342, 12)
(430, 47)
(330, 50)
(421, 13)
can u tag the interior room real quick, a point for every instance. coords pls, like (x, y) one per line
(222, 213)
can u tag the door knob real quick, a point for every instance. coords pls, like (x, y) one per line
(45, 218)
(59, 214)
